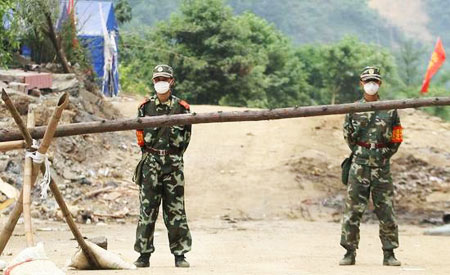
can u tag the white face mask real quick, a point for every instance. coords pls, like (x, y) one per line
(371, 88)
(162, 87)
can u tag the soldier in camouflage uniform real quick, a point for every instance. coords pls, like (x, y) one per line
(373, 138)
(159, 174)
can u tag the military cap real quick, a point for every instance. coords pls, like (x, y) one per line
(163, 70)
(369, 73)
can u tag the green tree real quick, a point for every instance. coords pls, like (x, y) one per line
(220, 58)
(408, 58)
(123, 11)
(334, 69)
(8, 32)
(39, 17)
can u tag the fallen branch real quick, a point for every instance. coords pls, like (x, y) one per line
(93, 193)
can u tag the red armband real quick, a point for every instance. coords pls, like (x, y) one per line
(397, 134)
(140, 138)
(184, 104)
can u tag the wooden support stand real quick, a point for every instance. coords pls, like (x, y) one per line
(24, 200)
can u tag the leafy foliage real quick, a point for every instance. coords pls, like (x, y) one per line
(334, 69)
(8, 32)
(149, 12)
(304, 21)
(220, 58)
(122, 11)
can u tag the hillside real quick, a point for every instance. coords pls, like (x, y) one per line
(408, 15)
(328, 21)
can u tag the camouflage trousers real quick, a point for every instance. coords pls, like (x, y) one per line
(162, 178)
(364, 180)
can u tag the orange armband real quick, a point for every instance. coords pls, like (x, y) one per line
(140, 138)
(397, 134)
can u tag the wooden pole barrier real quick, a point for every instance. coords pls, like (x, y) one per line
(31, 174)
(15, 213)
(18, 208)
(194, 118)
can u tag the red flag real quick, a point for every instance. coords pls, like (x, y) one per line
(437, 58)
(70, 6)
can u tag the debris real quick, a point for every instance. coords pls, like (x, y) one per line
(21, 87)
(100, 241)
(93, 193)
(46, 229)
(10, 191)
(66, 83)
(5, 204)
(443, 230)
(117, 215)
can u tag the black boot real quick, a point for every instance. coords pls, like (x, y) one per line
(349, 258)
(389, 258)
(143, 260)
(180, 261)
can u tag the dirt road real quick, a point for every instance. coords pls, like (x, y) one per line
(255, 247)
(248, 209)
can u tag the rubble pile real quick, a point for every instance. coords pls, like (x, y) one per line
(93, 172)
(421, 188)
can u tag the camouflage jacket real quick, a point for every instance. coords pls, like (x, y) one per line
(175, 137)
(372, 128)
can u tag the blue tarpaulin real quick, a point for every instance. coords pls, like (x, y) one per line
(97, 29)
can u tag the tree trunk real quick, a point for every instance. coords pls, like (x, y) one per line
(194, 118)
(54, 39)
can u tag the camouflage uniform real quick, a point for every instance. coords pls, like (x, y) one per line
(370, 137)
(160, 177)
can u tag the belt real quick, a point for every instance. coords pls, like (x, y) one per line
(161, 152)
(372, 145)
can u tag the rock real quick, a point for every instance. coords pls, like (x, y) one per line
(72, 175)
(21, 87)
(100, 241)
(21, 101)
(35, 92)
(439, 231)
(35, 214)
(66, 83)
(3, 85)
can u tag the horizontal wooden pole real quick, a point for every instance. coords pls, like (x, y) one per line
(12, 145)
(194, 118)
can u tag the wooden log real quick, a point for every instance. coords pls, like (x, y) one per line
(18, 208)
(30, 177)
(52, 125)
(12, 145)
(11, 223)
(68, 217)
(193, 118)
(15, 114)
(15, 213)
(28, 181)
